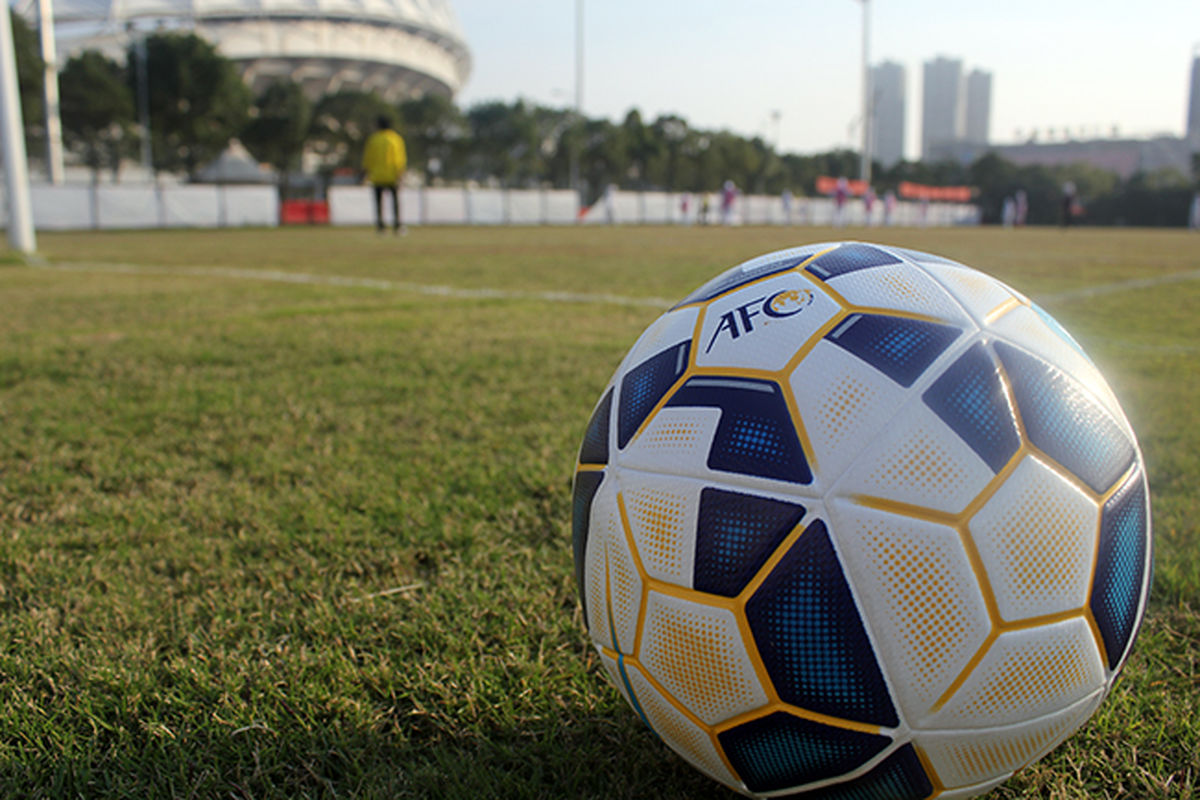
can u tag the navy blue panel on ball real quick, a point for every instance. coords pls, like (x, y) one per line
(1064, 422)
(735, 535)
(1120, 567)
(811, 638)
(850, 258)
(644, 385)
(595, 440)
(969, 397)
(899, 777)
(756, 434)
(781, 750)
(738, 276)
(900, 348)
(586, 484)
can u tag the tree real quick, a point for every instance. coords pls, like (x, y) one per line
(434, 131)
(97, 111)
(197, 100)
(342, 122)
(30, 80)
(279, 126)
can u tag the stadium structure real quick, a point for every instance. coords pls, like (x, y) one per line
(397, 48)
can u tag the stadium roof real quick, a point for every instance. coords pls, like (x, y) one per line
(400, 48)
(432, 15)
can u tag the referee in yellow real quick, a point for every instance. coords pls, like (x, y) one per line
(384, 160)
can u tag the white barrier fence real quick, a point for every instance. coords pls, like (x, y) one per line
(123, 206)
(131, 206)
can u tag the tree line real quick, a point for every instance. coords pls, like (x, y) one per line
(197, 103)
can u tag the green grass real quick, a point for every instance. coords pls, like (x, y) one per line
(281, 540)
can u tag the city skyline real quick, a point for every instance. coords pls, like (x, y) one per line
(1053, 65)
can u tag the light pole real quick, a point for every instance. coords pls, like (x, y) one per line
(578, 120)
(54, 142)
(865, 163)
(12, 131)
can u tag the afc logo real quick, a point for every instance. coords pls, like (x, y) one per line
(738, 321)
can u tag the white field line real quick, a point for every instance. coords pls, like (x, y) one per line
(435, 290)
(1088, 292)
(279, 276)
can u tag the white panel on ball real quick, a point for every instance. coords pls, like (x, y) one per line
(917, 460)
(900, 287)
(1037, 536)
(697, 653)
(919, 590)
(842, 405)
(682, 735)
(662, 513)
(1026, 674)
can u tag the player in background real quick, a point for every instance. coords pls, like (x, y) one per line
(384, 161)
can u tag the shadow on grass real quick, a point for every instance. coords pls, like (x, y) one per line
(607, 755)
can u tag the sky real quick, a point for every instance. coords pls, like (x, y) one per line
(791, 70)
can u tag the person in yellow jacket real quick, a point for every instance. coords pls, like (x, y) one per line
(384, 160)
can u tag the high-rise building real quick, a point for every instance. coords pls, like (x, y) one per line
(943, 110)
(888, 113)
(979, 107)
(1193, 120)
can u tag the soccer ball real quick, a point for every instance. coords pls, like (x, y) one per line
(861, 522)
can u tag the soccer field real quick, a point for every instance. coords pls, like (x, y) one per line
(286, 513)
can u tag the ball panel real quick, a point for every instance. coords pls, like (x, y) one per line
(900, 287)
(850, 257)
(604, 524)
(675, 441)
(614, 584)
(753, 270)
(756, 434)
(681, 734)
(970, 398)
(736, 534)
(899, 347)
(595, 439)
(662, 513)
(919, 590)
(1025, 674)
(761, 326)
(1122, 567)
(963, 761)
(587, 482)
(782, 751)
(665, 332)
(697, 654)
(979, 294)
(645, 385)
(810, 636)
(843, 405)
(1037, 538)
(1032, 329)
(900, 776)
(1063, 420)
(918, 461)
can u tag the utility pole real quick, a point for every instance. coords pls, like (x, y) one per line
(16, 169)
(54, 141)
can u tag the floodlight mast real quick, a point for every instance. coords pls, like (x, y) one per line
(16, 168)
